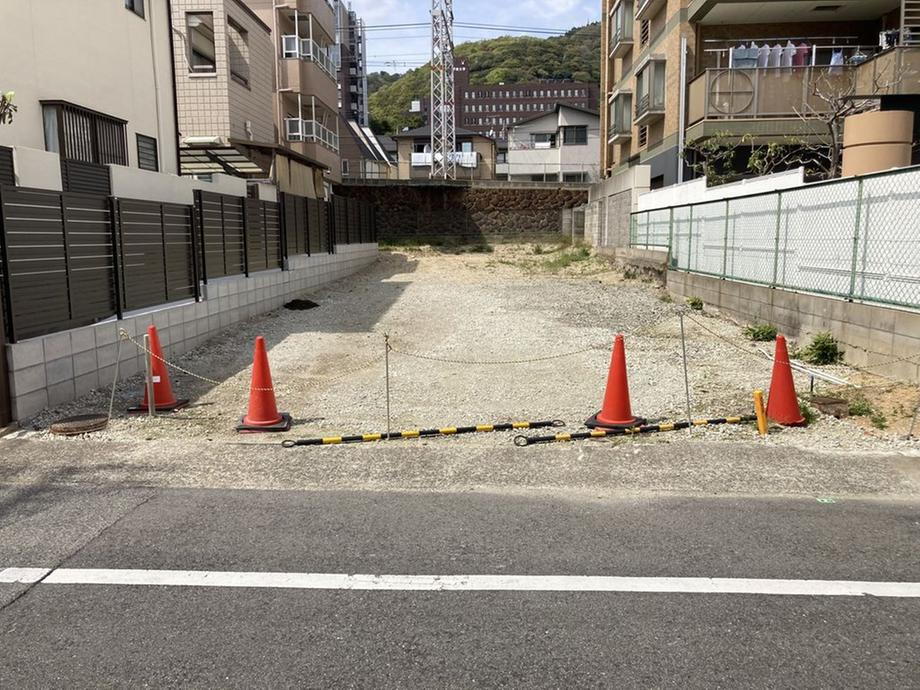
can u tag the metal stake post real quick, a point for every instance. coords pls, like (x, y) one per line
(148, 364)
(683, 344)
(386, 365)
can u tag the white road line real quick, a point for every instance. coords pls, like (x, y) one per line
(493, 583)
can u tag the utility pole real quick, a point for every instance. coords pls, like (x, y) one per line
(443, 136)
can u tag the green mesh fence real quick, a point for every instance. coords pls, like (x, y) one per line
(854, 238)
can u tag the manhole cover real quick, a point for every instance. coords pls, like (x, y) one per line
(81, 424)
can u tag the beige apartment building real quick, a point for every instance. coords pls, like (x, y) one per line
(93, 83)
(674, 71)
(306, 93)
(474, 157)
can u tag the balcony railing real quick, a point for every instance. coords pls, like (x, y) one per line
(787, 92)
(648, 110)
(621, 29)
(465, 159)
(294, 47)
(297, 129)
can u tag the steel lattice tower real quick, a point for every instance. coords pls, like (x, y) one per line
(443, 137)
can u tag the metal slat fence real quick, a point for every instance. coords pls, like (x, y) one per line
(856, 238)
(72, 259)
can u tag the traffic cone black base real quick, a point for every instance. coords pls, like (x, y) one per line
(594, 423)
(283, 425)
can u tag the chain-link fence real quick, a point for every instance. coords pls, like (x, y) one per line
(854, 238)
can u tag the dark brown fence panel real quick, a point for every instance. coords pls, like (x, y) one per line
(340, 212)
(271, 220)
(221, 219)
(178, 240)
(314, 229)
(91, 265)
(58, 256)
(85, 178)
(354, 221)
(157, 255)
(256, 252)
(7, 174)
(234, 235)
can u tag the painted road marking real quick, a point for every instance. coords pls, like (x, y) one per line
(494, 583)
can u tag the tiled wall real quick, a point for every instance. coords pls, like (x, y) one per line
(60, 367)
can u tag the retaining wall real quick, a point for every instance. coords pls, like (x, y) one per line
(473, 211)
(56, 368)
(870, 334)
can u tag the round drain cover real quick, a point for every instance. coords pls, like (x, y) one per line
(81, 424)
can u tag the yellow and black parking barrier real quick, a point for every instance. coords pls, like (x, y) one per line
(645, 429)
(420, 433)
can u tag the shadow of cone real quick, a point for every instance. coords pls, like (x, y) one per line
(616, 412)
(263, 413)
(783, 404)
(163, 397)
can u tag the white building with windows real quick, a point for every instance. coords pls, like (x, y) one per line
(559, 145)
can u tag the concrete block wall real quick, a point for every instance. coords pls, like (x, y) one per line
(56, 368)
(872, 335)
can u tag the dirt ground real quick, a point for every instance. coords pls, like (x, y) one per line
(527, 330)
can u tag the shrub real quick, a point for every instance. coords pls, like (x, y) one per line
(808, 413)
(538, 249)
(666, 297)
(481, 249)
(879, 420)
(822, 349)
(860, 407)
(567, 259)
(760, 332)
(695, 303)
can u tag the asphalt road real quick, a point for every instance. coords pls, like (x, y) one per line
(92, 635)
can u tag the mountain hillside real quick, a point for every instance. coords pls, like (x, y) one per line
(509, 59)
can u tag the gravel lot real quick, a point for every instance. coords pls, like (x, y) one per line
(511, 304)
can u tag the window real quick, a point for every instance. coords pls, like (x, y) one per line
(574, 177)
(466, 146)
(543, 140)
(643, 137)
(136, 6)
(147, 157)
(645, 29)
(202, 56)
(238, 49)
(501, 157)
(650, 87)
(621, 27)
(620, 115)
(344, 167)
(84, 135)
(575, 135)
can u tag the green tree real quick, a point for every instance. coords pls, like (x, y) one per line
(7, 107)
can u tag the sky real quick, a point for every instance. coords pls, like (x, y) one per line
(411, 47)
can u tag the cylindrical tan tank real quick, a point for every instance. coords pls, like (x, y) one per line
(877, 141)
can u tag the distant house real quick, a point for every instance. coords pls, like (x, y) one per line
(561, 145)
(363, 156)
(474, 155)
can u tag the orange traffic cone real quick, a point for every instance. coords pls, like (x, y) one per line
(783, 405)
(263, 413)
(162, 389)
(616, 412)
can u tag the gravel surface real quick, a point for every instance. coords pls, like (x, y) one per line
(328, 370)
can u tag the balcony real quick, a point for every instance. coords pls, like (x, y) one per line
(465, 159)
(323, 13)
(649, 8)
(777, 93)
(621, 29)
(294, 47)
(648, 110)
(297, 129)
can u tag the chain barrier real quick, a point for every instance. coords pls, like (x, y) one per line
(544, 358)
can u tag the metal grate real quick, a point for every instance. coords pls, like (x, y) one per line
(645, 32)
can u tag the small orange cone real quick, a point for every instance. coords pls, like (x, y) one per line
(263, 413)
(616, 412)
(162, 389)
(783, 405)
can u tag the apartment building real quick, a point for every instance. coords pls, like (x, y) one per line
(363, 154)
(492, 109)
(352, 73)
(93, 83)
(680, 70)
(562, 145)
(474, 156)
(306, 93)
